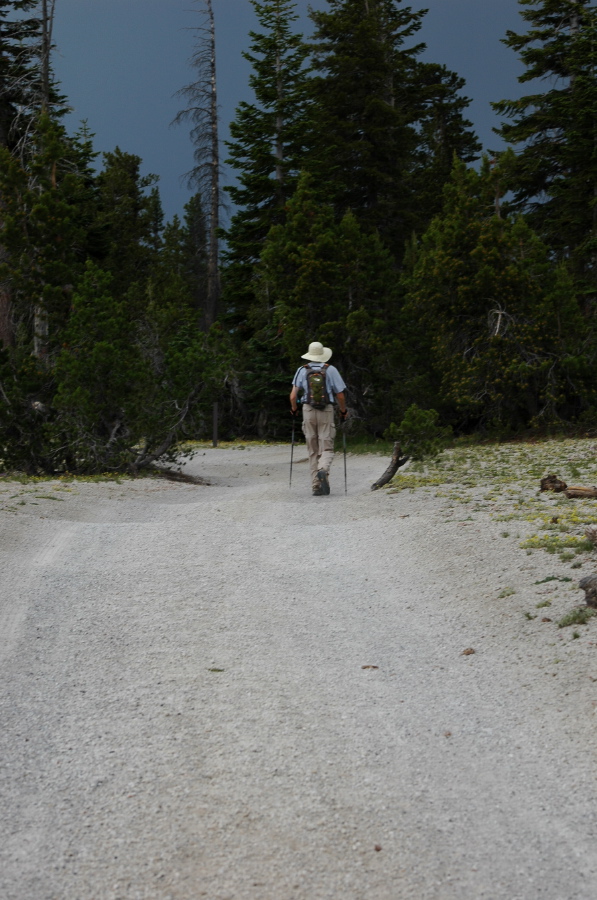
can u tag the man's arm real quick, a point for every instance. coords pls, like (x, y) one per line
(293, 393)
(341, 402)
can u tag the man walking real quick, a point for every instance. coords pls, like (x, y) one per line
(317, 386)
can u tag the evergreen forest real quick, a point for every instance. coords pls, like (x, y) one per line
(365, 214)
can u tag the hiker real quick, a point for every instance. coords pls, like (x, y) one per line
(316, 386)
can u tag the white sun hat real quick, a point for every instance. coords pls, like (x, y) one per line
(317, 353)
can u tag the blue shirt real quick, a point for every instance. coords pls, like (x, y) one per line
(333, 380)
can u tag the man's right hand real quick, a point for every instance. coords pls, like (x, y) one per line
(344, 414)
(293, 412)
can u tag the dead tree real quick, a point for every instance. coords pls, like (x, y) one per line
(555, 484)
(589, 585)
(40, 313)
(395, 464)
(202, 112)
(25, 46)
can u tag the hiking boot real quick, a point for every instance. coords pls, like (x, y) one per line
(324, 482)
(317, 491)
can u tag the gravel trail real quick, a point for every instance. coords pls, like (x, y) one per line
(187, 712)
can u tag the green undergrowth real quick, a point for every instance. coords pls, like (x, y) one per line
(362, 444)
(580, 615)
(67, 478)
(504, 480)
(236, 444)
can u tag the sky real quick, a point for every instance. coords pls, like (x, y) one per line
(120, 63)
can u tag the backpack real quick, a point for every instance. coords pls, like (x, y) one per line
(317, 390)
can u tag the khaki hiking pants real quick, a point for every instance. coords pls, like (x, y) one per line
(319, 431)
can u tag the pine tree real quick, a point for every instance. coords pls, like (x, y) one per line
(443, 134)
(363, 136)
(46, 208)
(180, 270)
(331, 281)
(129, 386)
(554, 173)
(20, 38)
(128, 220)
(267, 145)
(493, 317)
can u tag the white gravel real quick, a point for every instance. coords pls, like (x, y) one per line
(132, 767)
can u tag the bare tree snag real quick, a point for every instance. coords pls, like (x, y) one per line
(589, 585)
(47, 26)
(202, 111)
(395, 464)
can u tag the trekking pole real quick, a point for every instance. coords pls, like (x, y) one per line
(292, 450)
(344, 446)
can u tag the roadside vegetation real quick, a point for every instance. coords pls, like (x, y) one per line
(503, 480)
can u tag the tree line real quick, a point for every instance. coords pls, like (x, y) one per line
(365, 216)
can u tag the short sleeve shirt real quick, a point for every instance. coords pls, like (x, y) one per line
(333, 380)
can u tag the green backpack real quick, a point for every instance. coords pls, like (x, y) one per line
(317, 391)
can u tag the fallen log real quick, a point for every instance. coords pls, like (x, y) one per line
(581, 493)
(173, 475)
(555, 484)
(395, 464)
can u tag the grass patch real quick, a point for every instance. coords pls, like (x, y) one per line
(67, 478)
(412, 481)
(578, 616)
(554, 578)
(556, 543)
(503, 479)
(507, 592)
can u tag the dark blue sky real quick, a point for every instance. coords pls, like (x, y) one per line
(121, 61)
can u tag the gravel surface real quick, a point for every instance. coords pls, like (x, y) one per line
(240, 691)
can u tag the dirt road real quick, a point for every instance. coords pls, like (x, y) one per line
(241, 691)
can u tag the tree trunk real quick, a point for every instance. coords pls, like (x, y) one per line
(47, 26)
(576, 492)
(213, 272)
(395, 464)
(581, 493)
(40, 333)
(6, 332)
(202, 111)
(40, 313)
(279, 122)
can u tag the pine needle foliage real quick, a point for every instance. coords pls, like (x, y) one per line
(554, 172)
(502, 328)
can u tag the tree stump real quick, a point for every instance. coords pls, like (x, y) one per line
(395, 464)
(553, 483)
(589, 585)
